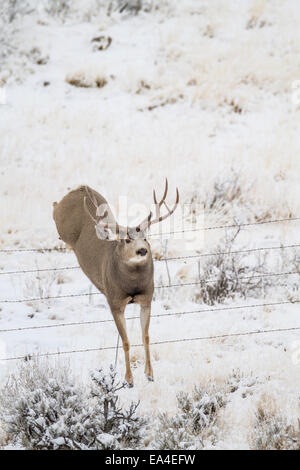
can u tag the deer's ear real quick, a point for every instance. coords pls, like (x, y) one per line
(105, 233)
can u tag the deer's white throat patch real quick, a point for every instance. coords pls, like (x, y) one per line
(137, 259)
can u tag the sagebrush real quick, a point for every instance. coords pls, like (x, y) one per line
(228, 274)
(193, 423)
(273, 432)
(42, 407)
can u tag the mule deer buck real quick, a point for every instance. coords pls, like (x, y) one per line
(116, 259)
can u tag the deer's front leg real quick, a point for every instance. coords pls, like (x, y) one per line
(121, 325)
(145, 321)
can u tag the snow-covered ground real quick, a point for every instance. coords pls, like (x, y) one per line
(203, 92)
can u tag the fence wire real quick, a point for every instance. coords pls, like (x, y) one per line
(173, 258)
(182, 340)
(167, 286)
(215, 227)
(171, 314)
(218, 227)
(64, 249)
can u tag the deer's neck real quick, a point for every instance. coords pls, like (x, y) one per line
(134, 278)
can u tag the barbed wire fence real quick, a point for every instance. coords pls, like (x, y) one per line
(167, 286)
(187, 258)
(181, 340)
(173, 232)
(172, 258)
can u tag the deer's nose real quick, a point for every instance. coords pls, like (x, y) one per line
(142, 252)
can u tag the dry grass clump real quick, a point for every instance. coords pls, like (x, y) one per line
(226, 275)
(273, 432)
(82, 80)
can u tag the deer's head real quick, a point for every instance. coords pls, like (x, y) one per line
(132, 247)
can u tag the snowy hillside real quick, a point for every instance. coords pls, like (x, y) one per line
(205, 93)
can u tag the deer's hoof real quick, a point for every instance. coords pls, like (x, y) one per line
(150, 378)
(129, 384)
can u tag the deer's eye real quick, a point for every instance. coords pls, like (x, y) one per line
(127, 240)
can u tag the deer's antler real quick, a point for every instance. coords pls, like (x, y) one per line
(93, 200)
(159, 218)
(118, 229)
(98, 218)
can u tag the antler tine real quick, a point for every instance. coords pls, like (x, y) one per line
(158, 217)
(170, 212)
(177, 196)
(93, 200)
(154, 197)
(161, 202)
(145, 223)
(91, 197)
(166, 191)
(99, 220)
(87, 210)
(164, 196)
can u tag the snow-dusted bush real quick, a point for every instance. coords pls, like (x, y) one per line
(228, 274)
(241, 383)
(43, 408)
(12, 12)
(134, 7)
(7, 15)
(124, 425)
(42, 285)
(225, 193)
(58, 8)
(232, 197)
(289, 261)
(273, 432)
(194, 421)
